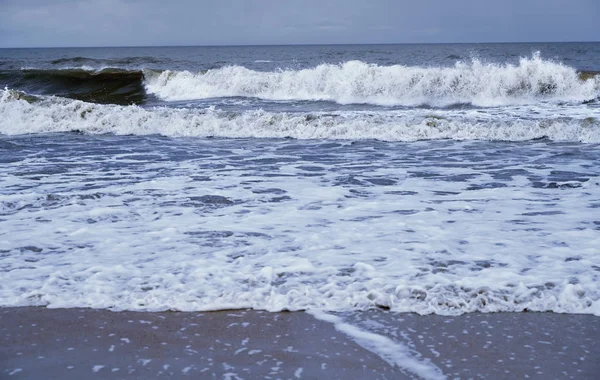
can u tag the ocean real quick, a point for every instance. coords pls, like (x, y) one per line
(444, 179)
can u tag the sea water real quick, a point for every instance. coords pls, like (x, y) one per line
(439, 179)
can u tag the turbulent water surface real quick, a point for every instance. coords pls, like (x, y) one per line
(428, 178)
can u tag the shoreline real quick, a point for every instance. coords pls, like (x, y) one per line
(38, 342)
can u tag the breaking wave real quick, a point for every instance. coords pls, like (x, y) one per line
(355, 82)
(23, 113)
(474, 83)
(108, 85)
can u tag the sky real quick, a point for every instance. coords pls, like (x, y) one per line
(48, 23)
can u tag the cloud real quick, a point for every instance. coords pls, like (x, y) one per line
(214, 22)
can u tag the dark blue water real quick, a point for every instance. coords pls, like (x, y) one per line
(584, 56)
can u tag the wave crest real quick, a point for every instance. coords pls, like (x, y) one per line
(477, 83)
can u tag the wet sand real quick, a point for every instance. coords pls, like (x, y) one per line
(42, 343)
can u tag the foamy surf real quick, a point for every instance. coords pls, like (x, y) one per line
(23, 113)
(444, 227)
(477, 83)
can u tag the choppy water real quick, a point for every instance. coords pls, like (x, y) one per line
(428, 178)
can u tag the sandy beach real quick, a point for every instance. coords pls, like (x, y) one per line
(72, 343)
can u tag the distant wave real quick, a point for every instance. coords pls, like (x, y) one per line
(83, 72)
(99, 62)
(356, 82)
(23, 113)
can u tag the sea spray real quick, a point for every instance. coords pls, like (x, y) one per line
(477, 83)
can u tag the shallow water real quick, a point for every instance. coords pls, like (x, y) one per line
(155, 223)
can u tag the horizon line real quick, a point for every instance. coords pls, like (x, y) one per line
(298, 44)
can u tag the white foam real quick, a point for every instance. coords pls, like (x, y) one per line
(52, 114)
(475, 82)
(132, 231)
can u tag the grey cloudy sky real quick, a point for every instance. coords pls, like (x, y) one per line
(26, 23)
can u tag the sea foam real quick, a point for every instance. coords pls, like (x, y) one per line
(23, 113)
(205, 224)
